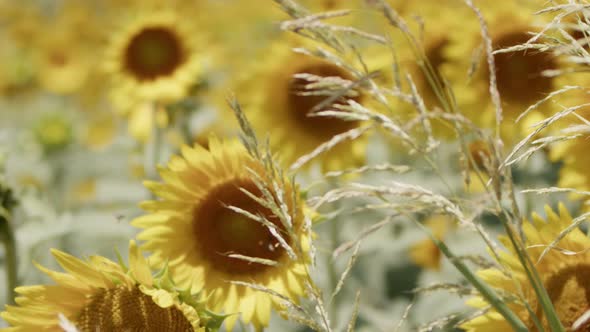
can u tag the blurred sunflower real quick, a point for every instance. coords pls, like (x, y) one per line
(431, 62)
(155, 55)
(207, 245)
(520, 75)
(564, 271)
(54, 131)
(63, 55)
(100, 130)
(573, 154)
(141, 119)
(279, 101)
(327, 5)
(16, 73)
(99, 294)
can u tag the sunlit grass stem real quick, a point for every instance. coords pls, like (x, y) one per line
(484, 289)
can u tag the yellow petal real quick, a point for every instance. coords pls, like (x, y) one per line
(81, 270)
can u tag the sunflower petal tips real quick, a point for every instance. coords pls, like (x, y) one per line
(150, 184)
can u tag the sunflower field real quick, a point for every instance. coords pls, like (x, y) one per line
(294, 165)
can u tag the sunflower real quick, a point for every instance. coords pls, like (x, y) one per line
(279, 101)
(564, 271)
(520, 75)
(328, 5)
(431, 62)
(100, 130)
(155, 55)
(54, 131)
(573, 155)
(63, 55)
(16, 75)
(99, 294)
(209, 246)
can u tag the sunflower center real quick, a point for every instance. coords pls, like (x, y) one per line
(569, 290)
(302, 101)
(57, 59)
(123, 309)
(223, 232)
(154, 52)
(519, 74)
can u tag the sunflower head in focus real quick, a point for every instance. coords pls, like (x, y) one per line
(564, 271)
(221, 219)
(100, 295)
(282, 100)
(155, 55)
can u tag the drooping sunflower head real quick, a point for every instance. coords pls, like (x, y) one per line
(563, 269)
(154, 57)
(224, 218)
(100, 295)
(283, 101)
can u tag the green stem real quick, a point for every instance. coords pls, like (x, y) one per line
(7, 238)
(486, 291)
(542, 295)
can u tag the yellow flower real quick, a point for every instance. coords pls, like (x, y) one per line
(573, 153)
(519, 74)
(426, 253)
(16, 73)
(54, 131)
(279, 104)
(155, 55)
(99, 294)
(63, 55)
(327, 5)
(100, 130)
(208, 246)
(563, 270)
(432, 61)
(141, 121)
